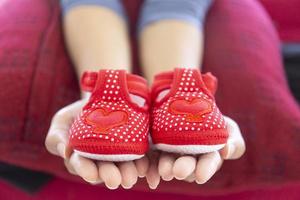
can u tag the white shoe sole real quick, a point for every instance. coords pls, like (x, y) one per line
(188, 149)
(110, 157)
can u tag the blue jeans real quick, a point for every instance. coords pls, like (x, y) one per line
(191, 11)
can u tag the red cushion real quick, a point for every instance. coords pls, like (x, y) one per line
(286, 18)
(59, 189)
(36, 80)
(242, 50)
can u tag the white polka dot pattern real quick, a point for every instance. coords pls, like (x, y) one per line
(110, 98)
(188, 89)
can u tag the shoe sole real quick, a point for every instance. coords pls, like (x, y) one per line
(188, 149)
(110, 157)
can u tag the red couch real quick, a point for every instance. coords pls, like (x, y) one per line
(286, 18)
(242, 49)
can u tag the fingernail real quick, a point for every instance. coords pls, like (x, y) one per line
(167, 178)
(153, 187)
(111, 188)
(200, 182)
(93, 182)
(127, 187)
(179, 178)
(61, 149)
(88, 179)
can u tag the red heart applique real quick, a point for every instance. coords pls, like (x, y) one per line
(102, 120)
(193, 109)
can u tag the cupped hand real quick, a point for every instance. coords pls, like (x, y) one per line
(111, 174)
(192, 168)
(153, 166)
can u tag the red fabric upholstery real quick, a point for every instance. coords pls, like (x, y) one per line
(59, 189)
(242, 50)
(286, 18)
(36, 80)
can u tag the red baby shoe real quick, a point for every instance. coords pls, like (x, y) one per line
(111, 126)
(185, 118)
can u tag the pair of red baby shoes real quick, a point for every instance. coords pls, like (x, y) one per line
(180, 109)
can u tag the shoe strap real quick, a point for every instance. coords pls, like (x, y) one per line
(104, 81)
(211, 82)
(188, 80)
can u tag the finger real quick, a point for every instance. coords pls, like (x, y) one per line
(184, 166)
(99, 181)
(57, 136)
(84, 167)
(110, 174)
(207, 165)
(129, 174)
(69, 167)
(152, 176)
(165, 166)
(142, 166)
(235, 146)
(56, 141)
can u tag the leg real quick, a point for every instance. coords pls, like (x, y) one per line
(161, 51)
(172, 39)
(96, 35)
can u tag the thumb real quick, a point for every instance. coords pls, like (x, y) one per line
(57, 138)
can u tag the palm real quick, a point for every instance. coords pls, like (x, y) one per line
(112, 174)
(193, 167)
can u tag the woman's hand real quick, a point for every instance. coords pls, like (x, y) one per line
(196, 168)
(166, 165)
(94, 172)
